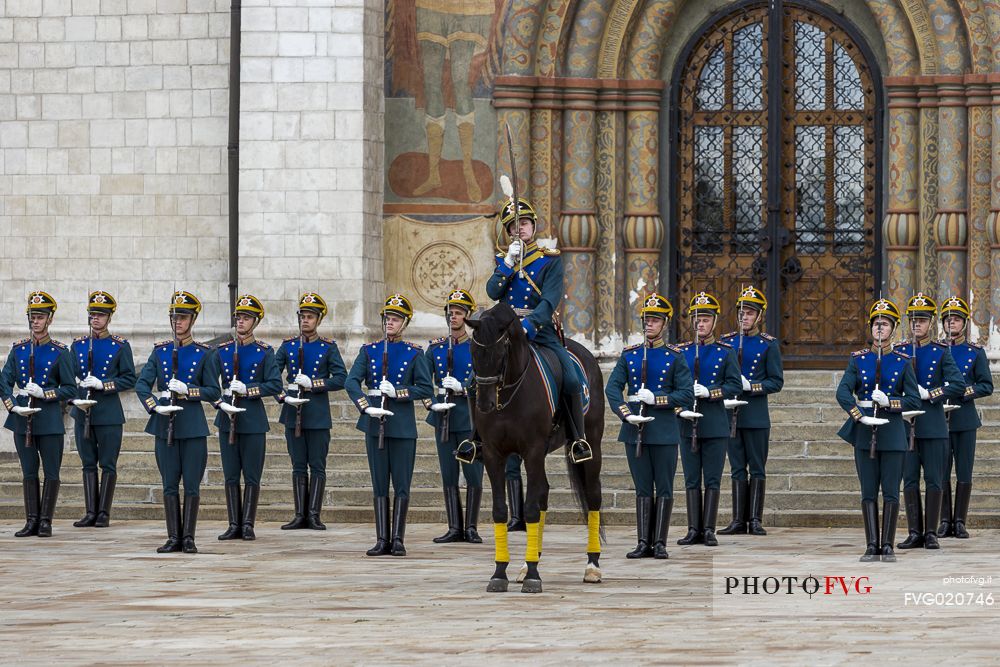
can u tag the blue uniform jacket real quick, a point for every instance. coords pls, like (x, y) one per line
(53, 373)
(198, 368)
(936, 371)
(899, 384)
(114, 366)
(667, 376)
(259, 372)
(719, 373)
(410, 373)
(322, 362)
(459, 420)
(761, 365)
(972, 363)
(541, 290)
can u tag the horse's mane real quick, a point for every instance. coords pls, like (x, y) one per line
(494, 323)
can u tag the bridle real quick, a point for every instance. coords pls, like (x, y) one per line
(500, 381)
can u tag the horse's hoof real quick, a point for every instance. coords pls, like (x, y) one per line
(592, 575)
(522, 574)
(531, 586)
(497, 586)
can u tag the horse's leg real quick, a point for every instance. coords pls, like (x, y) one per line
(543, 508)
(494, 465)
(534, 468)
(592, 492)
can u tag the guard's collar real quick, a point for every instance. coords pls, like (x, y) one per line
(958, 340)
(44, 340)
(658, 342)
(708, 340)
(249, 340)
(462, 337)
(187, 340)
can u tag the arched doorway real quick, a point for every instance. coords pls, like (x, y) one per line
(777, 109)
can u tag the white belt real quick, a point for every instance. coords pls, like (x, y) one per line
(633, 399)
(523, 312)
(375, 393)
(162, 394)
(292, 387)
(18, 391)
(865, 404)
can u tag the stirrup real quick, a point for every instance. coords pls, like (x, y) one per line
(580, 451)
(468, 451)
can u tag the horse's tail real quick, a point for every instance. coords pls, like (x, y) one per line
(577, 482)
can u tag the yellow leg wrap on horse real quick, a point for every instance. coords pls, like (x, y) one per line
(500, 535)
(541, 530)
(593, 532)
(531, 550)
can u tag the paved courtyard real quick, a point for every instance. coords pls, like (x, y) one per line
(104, 596)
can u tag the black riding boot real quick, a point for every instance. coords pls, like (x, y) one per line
(172, 514)
(251, 493)
(383, 545)
(233, 510)
(31, 507)
(580, 450)
(947, 526)
(317, 488)
(109, 480)
(869, 513)
(694, 535)
(453, 509)
(711, 513)
(399, 507)
(754, 527)
(643, 510)
(914, 520)
(473, 498)
(933, 508)
(664, 508)
(963, 494)
(190, 523)
(300, 492)
(515, 500)
(738, 526)
(89, 500)
(50, 494)
(890, 513)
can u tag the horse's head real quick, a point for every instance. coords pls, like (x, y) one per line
(494, 334)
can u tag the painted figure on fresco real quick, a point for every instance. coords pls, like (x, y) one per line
(441, 52)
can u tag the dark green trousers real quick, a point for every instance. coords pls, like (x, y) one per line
(48, 449)
(884, 471)
(394, 461)
(309, 451)
(655, 469)
(449, 464)
(512, 470)
(748, 451)
(103, 450)
(705, 464)
(929, 454)
(185, 459)
(961, 449)
(245, 456)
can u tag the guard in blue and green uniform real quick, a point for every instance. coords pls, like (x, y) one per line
(963, 418)
(451, 361)
(387, 407)
(876, 389)
(656, 380)
(938, 379)
(705, 429)
(101, 383)
(178, 376)
(313, 368)
(38, 397)
(249, 374)
(759, 357)
(530, 279)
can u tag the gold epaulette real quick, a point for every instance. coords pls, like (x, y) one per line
(21, 342)
(632, 347)
(79, 339)
(437, 341)
(675, 348)
(767, 336)
(204, 346)
(121, 339)
(163, 343)
(731, 334)
(413, 345)
(266, 346)
(551, 252)
(860, 352)
(290, 339)
(685, 345)
(55, 343)
(900, 353)
(328, 341)
(724, 344)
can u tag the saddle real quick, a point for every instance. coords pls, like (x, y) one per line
(551, 371)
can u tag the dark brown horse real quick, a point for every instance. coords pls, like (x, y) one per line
(512, 415)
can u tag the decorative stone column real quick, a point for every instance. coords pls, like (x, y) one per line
(951, 225)
(901, 227)
(980, 163)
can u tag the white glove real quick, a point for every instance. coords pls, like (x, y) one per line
(646, 396)
(638, 419)
(386, 388)
(513, 253)
(377, 412)
(880, 397)
(90, 382)
(908, 415)
(177, 387)
(452, 384)
(948, 407)
(295, 402)
(24, 412)
(442, 407)
(230, 409)
(700, 390)
(34, 390)
(83, 403)
(874, 421)
(746, 383)
(237, 387)
(304, 381)
(731, 403)
(688, 414)
(167, 409)
(924, 394)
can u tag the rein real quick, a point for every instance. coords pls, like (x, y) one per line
(495, 380)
